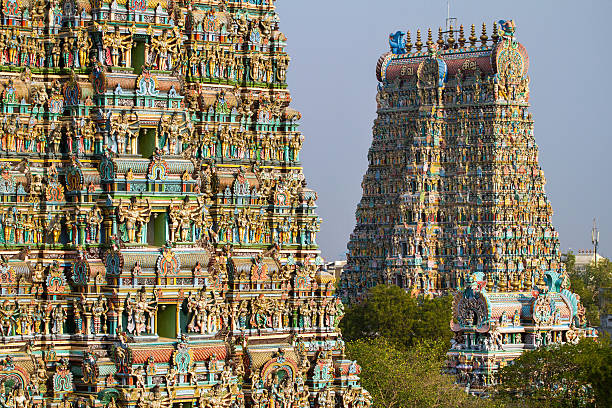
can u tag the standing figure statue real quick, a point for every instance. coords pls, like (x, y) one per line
(58, 318)
(7, 319)
(140, 311)
(124, 129)
(94, 220)
(165, 49)
(182, 217)
(99, 309)
(198, 305)
(132, 216)
(174, 131)
(118, 47)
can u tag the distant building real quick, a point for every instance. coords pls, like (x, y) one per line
(585, 258)
(336, 267)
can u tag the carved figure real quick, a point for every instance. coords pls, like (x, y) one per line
(133, 216)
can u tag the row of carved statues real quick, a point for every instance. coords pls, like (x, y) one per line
(78, 50)
(207, 315)
(217, 382)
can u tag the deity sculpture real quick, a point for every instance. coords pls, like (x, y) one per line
(118, 46)
(94, 219)
(164, 49)
(8, 314)
(182, 217)
(89, 368)
(173, 130)
(140, 311)
(205, 312)
(154, 399)
(133, 216)
(124, 129)
(78, 309)
(58, 318)
(99, 310)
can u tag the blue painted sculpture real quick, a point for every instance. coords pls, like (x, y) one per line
(397, 42)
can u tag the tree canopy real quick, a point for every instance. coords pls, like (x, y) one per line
(569, 375)
(391, 313)
(401, 341)
(399, 377)
(587, 283)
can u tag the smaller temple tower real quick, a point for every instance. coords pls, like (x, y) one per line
(454, 200)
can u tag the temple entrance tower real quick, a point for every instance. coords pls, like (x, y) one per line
(453, 198)
(158, 237)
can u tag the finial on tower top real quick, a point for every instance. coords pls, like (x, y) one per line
(461, 36)
(429, 38)
(484, 37)
(473, 38)
(451, 38)
(418, 44)
(495, 36)
(408, 41)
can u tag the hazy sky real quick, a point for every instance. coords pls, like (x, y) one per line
(335, 44)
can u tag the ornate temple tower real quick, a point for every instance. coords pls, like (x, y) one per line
(453, 198)
(158, 238)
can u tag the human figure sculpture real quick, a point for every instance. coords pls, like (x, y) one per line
(133, 216)
(58, 318)
(198, 305)
(140, 310)
(99, 310)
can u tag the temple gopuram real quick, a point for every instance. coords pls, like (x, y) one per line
(157, 237)
(454, 201)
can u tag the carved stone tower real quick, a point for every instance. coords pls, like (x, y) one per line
(453, 199)
(158, 238)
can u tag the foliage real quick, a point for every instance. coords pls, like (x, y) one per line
(397, 377)
(392, 313)
(587, 283)
(400, 342)
(570, 375)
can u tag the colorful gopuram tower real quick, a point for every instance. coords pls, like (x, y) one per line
(157, 238)
(454, 200)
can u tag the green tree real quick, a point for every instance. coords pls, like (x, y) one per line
(392, 313)
(402, 378)
(587, 283)
(570, 375)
